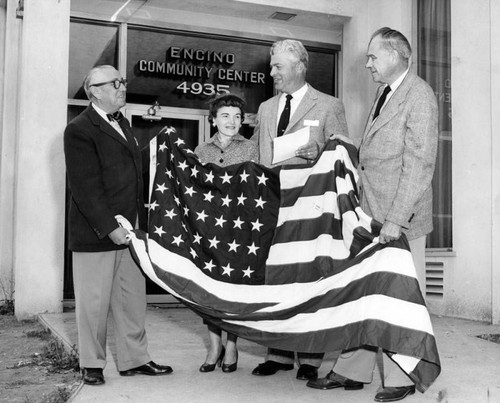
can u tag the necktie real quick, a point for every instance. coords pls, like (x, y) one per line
(120, 119)
(115, 116)
(285, 117)
(381, 101)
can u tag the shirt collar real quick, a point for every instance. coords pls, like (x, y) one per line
(399, 80)
(215, 139)
(297, 95)
(100, 111)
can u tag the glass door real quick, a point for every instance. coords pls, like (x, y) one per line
(193, 127)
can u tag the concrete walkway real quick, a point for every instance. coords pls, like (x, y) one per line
(177, 337)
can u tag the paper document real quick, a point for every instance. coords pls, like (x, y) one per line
(285, 146)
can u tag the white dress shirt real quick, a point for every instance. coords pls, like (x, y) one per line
(114, 124)
(294, 102)
(394, 87)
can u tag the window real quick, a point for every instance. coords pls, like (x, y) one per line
(90, 44)
(434, 66)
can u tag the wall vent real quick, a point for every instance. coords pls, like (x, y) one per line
(434, 279)
(282, 16)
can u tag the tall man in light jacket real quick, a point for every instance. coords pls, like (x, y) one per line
(397, 157)
(307, 107)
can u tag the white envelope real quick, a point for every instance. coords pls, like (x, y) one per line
(285, 146)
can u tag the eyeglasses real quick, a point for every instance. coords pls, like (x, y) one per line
(116, 83)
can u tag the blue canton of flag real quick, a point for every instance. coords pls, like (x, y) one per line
(222, 219)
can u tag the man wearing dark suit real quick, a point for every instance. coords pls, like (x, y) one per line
(104, 170)
(307, 107)
(397, 157)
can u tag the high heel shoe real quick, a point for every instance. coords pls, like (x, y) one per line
(227, 368)
(210, 367)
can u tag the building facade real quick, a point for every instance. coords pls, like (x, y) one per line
(176, 56)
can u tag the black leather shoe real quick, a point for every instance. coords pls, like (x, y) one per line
(270, 368)
(332, 381)
(393, 394)
(151, 368)
(92, 376)
(307, 372)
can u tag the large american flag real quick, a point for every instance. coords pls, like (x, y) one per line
(284, 257)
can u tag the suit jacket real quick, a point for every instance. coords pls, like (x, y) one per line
(397, 157)
(324, 111)
(105, 179)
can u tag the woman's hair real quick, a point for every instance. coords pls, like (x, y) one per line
(225, 100)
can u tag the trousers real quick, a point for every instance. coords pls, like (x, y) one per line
(110, 284)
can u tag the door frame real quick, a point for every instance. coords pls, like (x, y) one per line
(199, 115)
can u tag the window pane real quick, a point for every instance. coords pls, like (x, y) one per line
(91, 44)
(434, 66)
(186, 69)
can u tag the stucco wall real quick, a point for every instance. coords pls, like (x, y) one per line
(40, 172)
(10, 27)
(495, 135)
(468, 290)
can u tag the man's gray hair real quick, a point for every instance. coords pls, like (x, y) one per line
(394, 40)
(89, 76)
(294, 47)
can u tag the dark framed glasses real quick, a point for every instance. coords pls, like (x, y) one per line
(116, 83)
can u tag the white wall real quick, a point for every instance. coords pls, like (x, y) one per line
(10, 27)
(468, 290)
(40, 181)
(495, 135)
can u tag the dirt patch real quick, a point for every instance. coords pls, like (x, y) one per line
(34, 366)
(494, 337)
